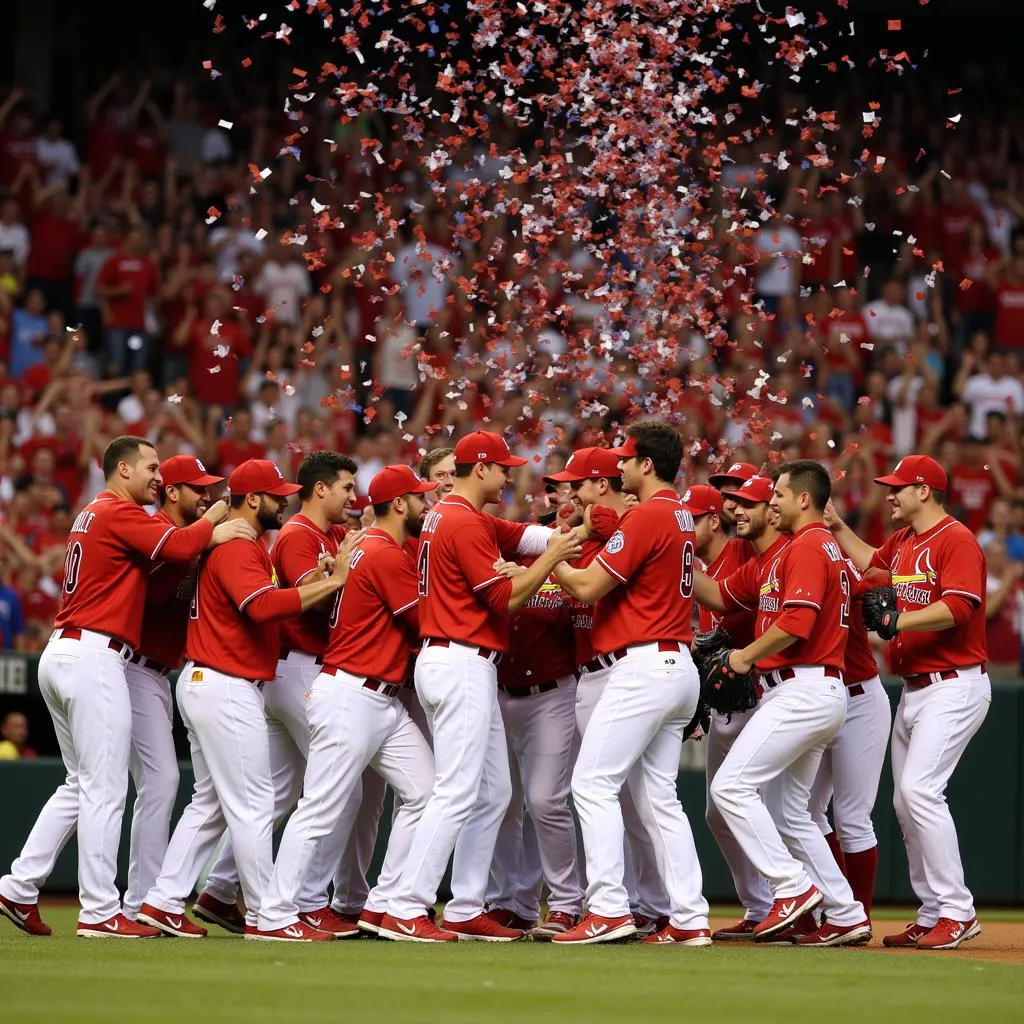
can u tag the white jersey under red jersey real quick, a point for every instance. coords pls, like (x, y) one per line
(111, 549)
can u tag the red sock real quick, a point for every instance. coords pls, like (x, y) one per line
(860, 870)
(833, 844)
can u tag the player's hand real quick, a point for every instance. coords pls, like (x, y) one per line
(343, 559)
(508, 569)
(630, 500)
(564, 547)
(232, 529)
(831, 517)
(367, 519)
(217, 512)
(739, 664)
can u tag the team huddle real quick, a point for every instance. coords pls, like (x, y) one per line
(497, 677)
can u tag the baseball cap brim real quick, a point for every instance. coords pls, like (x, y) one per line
(282, 490)
(424, 487)
(203, 480)
(510, 461)
(567, 476)
(892, 480)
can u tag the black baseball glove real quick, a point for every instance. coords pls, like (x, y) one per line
(725, 689)
(709, 641)
(880, 613)
(701, 720)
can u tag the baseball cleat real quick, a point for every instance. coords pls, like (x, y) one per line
(483, 928)
(556, 924)
(648, 925)
(177, 925)
(672, 936)
(297, 932)
(593, 929)
(213, 911)
(326, 920)
(785, 911)
(949, 934)
(24, 916)
(803, 925)
(370, 921)
(117, 927)
(836, 935)
(415, 929)
(741, 931)
(510, 919)
(907, 939)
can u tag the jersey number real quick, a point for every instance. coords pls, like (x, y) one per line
(686, 573)
(844, 605)
(72, 567)
(423, 568)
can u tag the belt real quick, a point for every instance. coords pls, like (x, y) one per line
(528, 691)
(285, 651)
(74, 633)
(494, 657)
(919, 682)
(381, 686)
(594, 665)
(855, 691)
(213, 668)
(783, 675)
(609, 659)
(153, 666)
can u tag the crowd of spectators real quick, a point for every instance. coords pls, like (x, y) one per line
(147, 288)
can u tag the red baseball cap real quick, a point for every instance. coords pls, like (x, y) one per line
(394, 482)
(626, 450)
(260, 476)
(483, 446)
(186, 469)
(916, 469)
(701, 499)
(587, 464)
(755, 490)
(741, 471)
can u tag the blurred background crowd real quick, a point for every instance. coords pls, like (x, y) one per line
(147, 288)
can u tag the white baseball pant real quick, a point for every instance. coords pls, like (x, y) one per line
(540, 730)
(472, 788)
(763, 790)
(227, 733)
(352, 728)
(751, 887)
(933, 726)
(647, 894)
(851, 767)
(367, 803)
(154, 769)
(635, 738)
(288, 736)
(83, 684)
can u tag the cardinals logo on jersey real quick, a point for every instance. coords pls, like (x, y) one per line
(916, 587)
(768, 600)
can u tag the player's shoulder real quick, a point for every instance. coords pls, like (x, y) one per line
(954, 533)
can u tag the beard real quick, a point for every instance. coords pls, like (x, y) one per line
(413, 525)
(267, 516)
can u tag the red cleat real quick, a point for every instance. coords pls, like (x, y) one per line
(415, 929)
(593, 929)
(117, 927)
(225, 915)
(370, 921)
(906, 939)
(785, 912)
(836, 935)
(326, 920)
(672, 936)
(24, 916)
(803, 925)
(298, 932)
(483, 928)
(949, 934)
(741, 931)
(510, 919)
(557, 923)
(177, 925)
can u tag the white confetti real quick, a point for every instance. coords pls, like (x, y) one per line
(225, 124)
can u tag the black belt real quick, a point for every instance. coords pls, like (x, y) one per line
(154, 666)
(919, 682)
(285, 651)
(855, 691)
(594, 665)
(528, 691)
(609, 659)
(785, 674)
(74, 633)
(381, 686)
(494, 657)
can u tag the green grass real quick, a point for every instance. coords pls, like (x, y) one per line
(224, 979)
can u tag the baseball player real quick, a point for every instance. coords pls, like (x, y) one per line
(153, 762)
(111, 549)
(723, 555)
(937, 628)
(232, 651)
(595, 483)
(464, 608)
(327, 489)
(642, 582)
(852, 763)
(762, 788)
(355, 720)
(537, 698)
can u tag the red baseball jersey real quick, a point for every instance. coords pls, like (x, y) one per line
(295, 554)
(375, 622)
(168, 600)
(458, 549)
(220, 633)
(604, 522)
(860, 659)
(111, 549)
(944, 561)
(740, 621)
(808, 572)
(540, 634)
(652, 555)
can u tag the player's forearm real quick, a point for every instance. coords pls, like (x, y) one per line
(707, 592)
(859, 551)
(312, 594)
(933, 617)
(272, 605)
(528, 583)
(184, 544)
(582, 584)
(771, 642)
